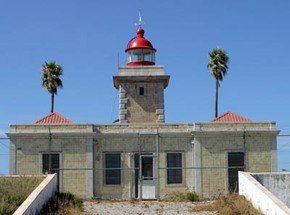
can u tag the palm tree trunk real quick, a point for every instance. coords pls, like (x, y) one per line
(216, 97)
(52, 103)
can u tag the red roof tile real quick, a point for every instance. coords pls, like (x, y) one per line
(54, 118)
(230, 117)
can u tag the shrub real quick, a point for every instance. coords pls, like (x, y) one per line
(229, 204)
(61, 203)
(192, 196)
(235, 204)
(175, 197)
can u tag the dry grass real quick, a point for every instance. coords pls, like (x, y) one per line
(181, 197)
(175, 197)
(63, 204)
(232, 204)
(14, 190)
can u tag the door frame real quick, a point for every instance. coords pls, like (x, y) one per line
(138, 161)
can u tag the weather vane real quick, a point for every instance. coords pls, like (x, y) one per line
(140, 23)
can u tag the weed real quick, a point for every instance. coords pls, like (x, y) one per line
(192, 196)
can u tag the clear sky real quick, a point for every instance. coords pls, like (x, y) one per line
(85, 37)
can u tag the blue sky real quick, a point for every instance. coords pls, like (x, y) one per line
(85, 37)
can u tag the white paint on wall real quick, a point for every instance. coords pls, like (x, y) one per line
(260, 197)
(34, 202)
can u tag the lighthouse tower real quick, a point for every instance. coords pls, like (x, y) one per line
(141, 83)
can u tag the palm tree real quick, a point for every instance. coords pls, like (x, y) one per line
(218, 67)
(50, 79)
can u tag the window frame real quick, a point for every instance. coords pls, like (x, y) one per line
(60, 171)
(177, 168)
(139, 90)
(113, 169)
(237, 167)
(47, 153)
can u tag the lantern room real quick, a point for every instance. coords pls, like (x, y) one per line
(140, 51)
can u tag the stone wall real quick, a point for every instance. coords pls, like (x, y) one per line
(135, 108)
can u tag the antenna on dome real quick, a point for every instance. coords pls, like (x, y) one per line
(140, 23)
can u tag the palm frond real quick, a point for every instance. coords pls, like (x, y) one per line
(50, 76)
(218, 63)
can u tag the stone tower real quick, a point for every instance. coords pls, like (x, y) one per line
(141, 84)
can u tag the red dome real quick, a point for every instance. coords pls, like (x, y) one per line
(139, 42)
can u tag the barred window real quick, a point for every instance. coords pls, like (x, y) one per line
(113, 169)
(174, 168)
(54, 163)
(236, 162)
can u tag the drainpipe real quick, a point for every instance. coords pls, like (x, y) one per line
(157, 163)
(49, 150)
(130, 175)
(192, 162)
(192, 141)
(245, 152)
(140, 168)
(197, 164)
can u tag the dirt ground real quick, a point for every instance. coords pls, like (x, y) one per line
(142, 208)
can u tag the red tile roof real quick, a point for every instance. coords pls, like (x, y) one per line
(54, 118)
(231, 117)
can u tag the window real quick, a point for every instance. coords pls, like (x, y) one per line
(113, 169)
(54, 163)
(141, 91)
(147, 168)
(174, 168)
(235, 164)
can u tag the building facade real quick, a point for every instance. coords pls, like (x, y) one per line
(141, 156)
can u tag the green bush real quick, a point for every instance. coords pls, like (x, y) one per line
(192, 196)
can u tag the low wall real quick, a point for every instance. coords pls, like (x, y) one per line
(277, 183)
(260, 197)
(34, 202)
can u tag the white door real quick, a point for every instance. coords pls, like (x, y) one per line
(148, 177)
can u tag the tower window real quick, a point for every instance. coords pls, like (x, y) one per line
(141, 91)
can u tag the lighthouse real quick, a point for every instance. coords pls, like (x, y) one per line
(141, 83)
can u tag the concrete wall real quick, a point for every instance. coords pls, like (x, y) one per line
(276, 183)
(73, 161)
(34, 202)
(127, 145)
(205, 163)
(82, 149)
(260, 197)
(74, 145)
(257, 147)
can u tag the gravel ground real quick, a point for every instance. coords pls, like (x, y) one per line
(141, 208)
